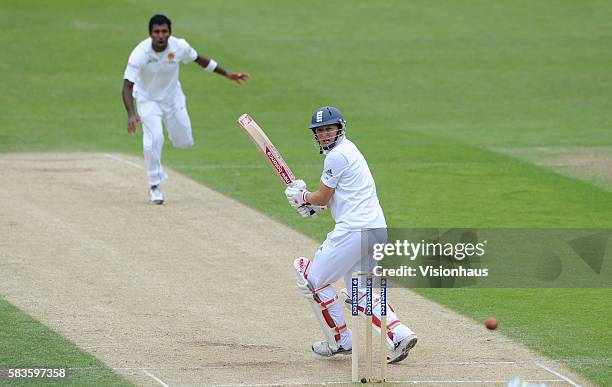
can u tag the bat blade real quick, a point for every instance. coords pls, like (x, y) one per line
(267, 148)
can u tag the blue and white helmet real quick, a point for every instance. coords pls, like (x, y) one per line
(327, 115)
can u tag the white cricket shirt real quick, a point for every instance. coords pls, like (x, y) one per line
(354, 204)
(156, 74)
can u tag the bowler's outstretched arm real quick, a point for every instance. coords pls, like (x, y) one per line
(212, 66)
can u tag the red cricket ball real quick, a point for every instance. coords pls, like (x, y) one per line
(491, 323)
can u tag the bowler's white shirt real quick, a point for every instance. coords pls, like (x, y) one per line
(156, 74)
(354, 204)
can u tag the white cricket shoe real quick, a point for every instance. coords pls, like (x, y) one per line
(401, 350)
(322, 348)
(155, 195)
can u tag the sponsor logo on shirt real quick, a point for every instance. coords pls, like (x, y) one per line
(329, 173)
(171, 56)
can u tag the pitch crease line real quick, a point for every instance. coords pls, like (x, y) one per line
(117, 158)
(387, 381)
(158, 380)
(558, 374)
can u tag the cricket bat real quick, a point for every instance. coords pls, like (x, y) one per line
(265, 146)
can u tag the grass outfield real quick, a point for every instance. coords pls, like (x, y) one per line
(27, 343)
(570, 325)
(430, 92)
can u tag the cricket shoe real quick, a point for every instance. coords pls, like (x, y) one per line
(401, 350)
(322, 348)
(155, 195)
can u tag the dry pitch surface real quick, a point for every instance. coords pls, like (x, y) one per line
(200, 291)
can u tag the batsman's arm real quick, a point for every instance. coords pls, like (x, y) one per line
(320, 197)
(212, 66)
(128, 102)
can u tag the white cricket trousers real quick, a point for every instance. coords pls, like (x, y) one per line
(175, 118)
(340, 256)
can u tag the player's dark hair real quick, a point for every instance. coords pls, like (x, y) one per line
(159, 20)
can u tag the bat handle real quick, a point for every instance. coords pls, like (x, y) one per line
(313, 214)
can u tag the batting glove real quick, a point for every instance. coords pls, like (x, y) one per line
(304, 211)
(296, 194)
(298, 184)
(310, 210)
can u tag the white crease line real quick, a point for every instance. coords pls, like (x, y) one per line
(387, 381)
(117, 158)
(202, 368)
(158, 380)
(484, 362)
(557, 374)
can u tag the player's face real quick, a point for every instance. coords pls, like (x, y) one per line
(160, 35)
(326, 135)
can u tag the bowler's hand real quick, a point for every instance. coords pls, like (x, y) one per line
(132, 122)
(237, 77)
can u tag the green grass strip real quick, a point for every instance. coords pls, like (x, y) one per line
(26, 343)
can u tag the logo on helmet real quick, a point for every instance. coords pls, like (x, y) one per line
(327, 116)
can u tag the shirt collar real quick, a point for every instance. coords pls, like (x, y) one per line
(150, 46)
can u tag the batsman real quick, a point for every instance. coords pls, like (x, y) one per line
(348, 189)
